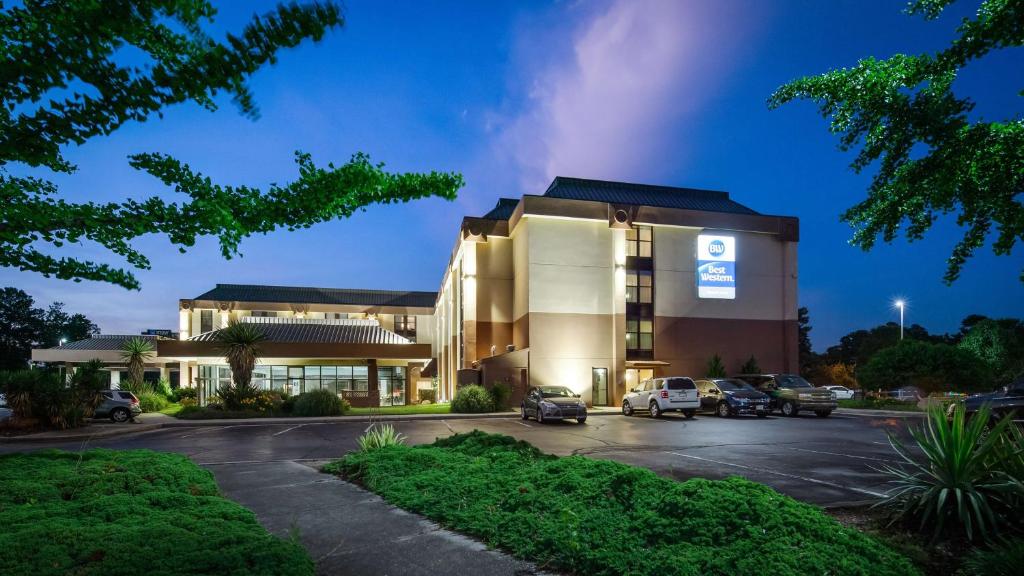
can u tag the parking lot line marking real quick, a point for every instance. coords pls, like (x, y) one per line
(794, 476)
(522, 423)
(209, 428)
(846, 455)
(288, 429)
(450, 429)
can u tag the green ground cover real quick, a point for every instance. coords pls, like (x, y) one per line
(587, 516)
(172, 409)
(110, 512)
(409, 409)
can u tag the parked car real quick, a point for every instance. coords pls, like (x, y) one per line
(791, 393)
(729, 397)
(118, 405)
(553, 403)
(842, 392)
(660, 395)
(1005, 400)
(905, 394)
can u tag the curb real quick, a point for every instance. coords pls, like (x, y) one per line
(120, 430)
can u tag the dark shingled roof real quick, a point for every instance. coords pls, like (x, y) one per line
(321, 333)
(301, 295)
(644, 195)
(105, 342)
(502, 210)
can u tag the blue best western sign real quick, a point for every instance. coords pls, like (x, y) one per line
(716, 266)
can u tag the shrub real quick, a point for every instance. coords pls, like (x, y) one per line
(925, 365)
(45, 396)
(427, 395)
(235, 398)
(378, 437)
(180, 394)
(1005, 559)
(500, 392)
(152, 402)
(319, 403)
(288, 402)
(577, 515)
(715, 367)
(750, 366)
(472, 399)
(188, 402)
(961, 483)
(163, 388)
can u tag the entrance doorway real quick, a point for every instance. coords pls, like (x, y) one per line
(634, 376)
(599, 386)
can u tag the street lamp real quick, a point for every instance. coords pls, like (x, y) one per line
(901, 305)
(62, 341)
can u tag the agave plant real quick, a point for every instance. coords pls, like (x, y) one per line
(239, 343)
(136, 352)
(378, 437)
(959, 480)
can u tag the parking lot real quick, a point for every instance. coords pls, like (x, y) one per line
(826, 461)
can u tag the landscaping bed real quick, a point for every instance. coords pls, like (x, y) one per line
(126, 512)
(879, 404)
(588, 516)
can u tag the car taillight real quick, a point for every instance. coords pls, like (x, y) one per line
(664, 393)
(135, 400)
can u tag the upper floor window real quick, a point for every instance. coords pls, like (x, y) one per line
(405, 326)
(639, 286)
(639, 336)
(638, 241)
(206, 320)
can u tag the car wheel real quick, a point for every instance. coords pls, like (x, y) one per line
(822, 413)
(655, 410)
(689, 413)
(120, 415)
(581, 420)
(627, 410)
(789, 409)
(540, 415)
(522, 412)
(723, 410)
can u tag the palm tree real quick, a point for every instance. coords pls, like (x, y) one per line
(240, 345)
(135, 352)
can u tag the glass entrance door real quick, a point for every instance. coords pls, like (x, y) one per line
(599, 386)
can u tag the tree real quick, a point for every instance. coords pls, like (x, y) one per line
(64, 81)
(716, 369)
(932, 367)
(240, 344)
(750, 366)
(136, 352)
(24, 327)
(859, 346)
(931, 158)
(1000, 345)
(808, 359)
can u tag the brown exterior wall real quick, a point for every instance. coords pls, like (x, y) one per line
(521, 332)
(688, 344)
(512, 369)
(498, 334)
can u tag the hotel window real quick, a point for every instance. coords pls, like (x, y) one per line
(639, 287)
(638, 242)
(206, 320)
(405, 326)
(264, 314)
(639, 336)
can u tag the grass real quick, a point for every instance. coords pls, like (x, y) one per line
(599, 517)
(408, 409)
(172, 409)
(110, 512)
(879, 404)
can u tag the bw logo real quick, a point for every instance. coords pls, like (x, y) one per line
(716, 248)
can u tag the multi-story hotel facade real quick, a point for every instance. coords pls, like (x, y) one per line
(593, 285)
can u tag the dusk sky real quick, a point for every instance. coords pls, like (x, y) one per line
(512, 94)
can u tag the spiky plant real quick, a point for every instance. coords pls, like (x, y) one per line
(136, 352)
(239, 343)
(958, 482)
(378, 437)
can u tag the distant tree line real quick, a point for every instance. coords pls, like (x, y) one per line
(983, 353)
(24, 326)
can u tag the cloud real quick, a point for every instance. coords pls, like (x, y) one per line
(614, 103)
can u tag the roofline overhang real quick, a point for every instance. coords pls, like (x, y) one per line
(80, 356)
(227, 306)
(191, 349)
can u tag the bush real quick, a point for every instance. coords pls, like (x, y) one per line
(378, 437)
(115, 512)
(577, 515)
(427, 395)
(716, 369)
(472, 399)
(928, 366)
(152, 402)
(163, 388)
(320, 403)
(180, 394)
(750, 366)
(962, 483)
(45, 396)
(500, 393)
(1002, 560)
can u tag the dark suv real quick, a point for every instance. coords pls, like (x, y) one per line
(791, 393)
(1006, 400)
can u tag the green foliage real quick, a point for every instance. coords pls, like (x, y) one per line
(378, 437)
(807, 358)
(876, 403)
(1005, 559)
(750, 366)
(179, 394)
(930, 367)
(163, 388)
(500, 393)
(52, 399)
(320, 403)
(961, 484)
(858, 347)
(64, 84)
(136, 352)
(24, 327)
(240, 344)
(427, 395)
(111, 512)
(152, 402)
(1000, 344)
(716, 369)
(582, 516)
(931, 158)
(472, 399)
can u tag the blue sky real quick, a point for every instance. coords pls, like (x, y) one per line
(511, 94)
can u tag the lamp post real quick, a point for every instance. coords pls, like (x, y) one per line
(901, 305)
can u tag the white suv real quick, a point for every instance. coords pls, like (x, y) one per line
(659, 395)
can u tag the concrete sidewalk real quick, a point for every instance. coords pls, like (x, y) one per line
(348, 530)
